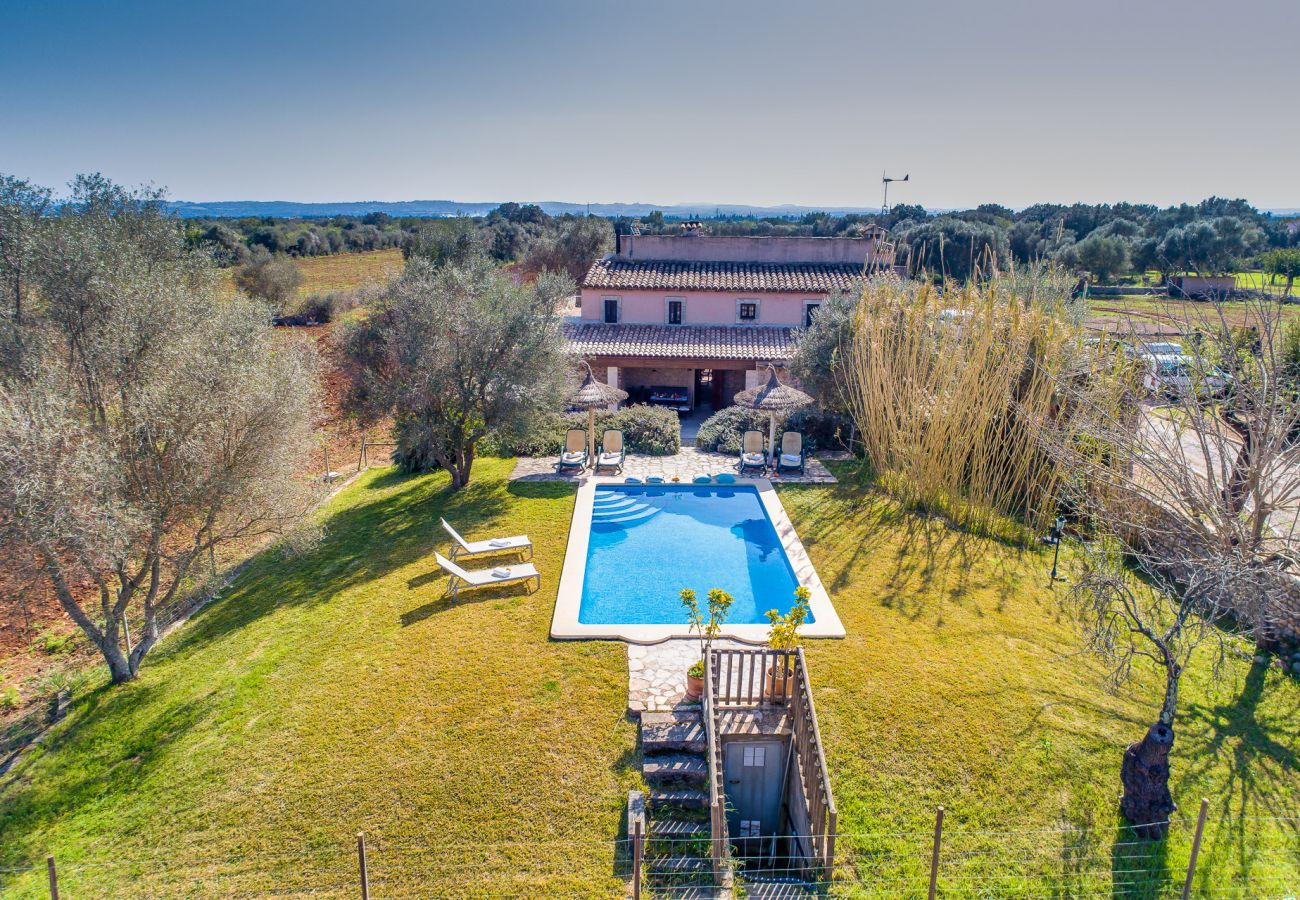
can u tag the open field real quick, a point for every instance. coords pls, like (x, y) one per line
(336, 692)
(339, 271)
(1165, 315)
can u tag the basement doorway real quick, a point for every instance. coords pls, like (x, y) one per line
(754, 777)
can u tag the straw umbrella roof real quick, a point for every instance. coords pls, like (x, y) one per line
(593, 394)
(773, 397)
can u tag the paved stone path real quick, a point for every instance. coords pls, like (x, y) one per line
(684, 466)
(656, 673)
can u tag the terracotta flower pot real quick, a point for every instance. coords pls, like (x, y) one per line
(694, 687)
(778, 684)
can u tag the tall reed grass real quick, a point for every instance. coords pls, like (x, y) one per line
(951, 386)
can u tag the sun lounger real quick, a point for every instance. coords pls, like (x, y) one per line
(575, 450)
(751, 452)
(792, 453)
(462, 547)
(484, 577)
(611, 451)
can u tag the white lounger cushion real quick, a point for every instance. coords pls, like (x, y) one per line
(487, 576)
(572, 456)
(753, 459)
(514, 542)
(790, 459)
(610, 459)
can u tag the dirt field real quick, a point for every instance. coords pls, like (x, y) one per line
(340, 272)
(1159, 315)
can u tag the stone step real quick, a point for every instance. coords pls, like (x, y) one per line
(759, 888)
(677, 731)
(675, 769)
(681, 864)
(679, 828)
(685, 799)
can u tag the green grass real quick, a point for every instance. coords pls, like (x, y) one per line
(960, 683)
(336, 692)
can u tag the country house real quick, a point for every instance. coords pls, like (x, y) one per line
(689, 321)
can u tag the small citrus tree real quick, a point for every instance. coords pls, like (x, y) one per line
(718, 604)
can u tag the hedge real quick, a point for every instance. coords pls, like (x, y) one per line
(652, 430)
(720, 432)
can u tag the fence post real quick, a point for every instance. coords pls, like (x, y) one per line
(365, 874)
(934, 857)
(637, 852)
(1196, 849)
(54, 877)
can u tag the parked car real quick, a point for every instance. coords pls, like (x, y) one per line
(1178, 375)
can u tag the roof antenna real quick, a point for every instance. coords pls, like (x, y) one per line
(886, 181)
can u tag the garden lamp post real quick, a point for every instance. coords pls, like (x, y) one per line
(1053, 539)
(592, 395)
(772, 398)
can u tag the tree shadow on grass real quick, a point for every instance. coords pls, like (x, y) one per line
(852, 523)
(1261, 752)
(363, 542)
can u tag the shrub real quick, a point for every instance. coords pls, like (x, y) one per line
(322, 308)
(9, 698)
(270, 278)
(720, 432)
(646, 429)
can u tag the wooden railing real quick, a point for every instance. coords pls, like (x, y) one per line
(721, 842)
(811, 762)
(739, 679)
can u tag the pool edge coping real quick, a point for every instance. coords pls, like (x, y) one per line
(568, 599)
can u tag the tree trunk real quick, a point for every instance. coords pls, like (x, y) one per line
(1147, 803)
(462, 462)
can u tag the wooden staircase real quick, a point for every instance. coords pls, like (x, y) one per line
(676, 771)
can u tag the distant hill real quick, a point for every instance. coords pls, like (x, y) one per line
(283, 209)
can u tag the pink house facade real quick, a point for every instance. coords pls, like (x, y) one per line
(689, 321)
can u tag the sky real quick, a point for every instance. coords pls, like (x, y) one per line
(659, 101)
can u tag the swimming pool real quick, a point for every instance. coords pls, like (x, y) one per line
(632, 548)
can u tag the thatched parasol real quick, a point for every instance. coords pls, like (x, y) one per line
(772, 398)
(591, 396)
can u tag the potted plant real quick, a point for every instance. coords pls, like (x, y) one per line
(708, 629)
(784, 635)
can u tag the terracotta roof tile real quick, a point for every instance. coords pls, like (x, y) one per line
(680, 341)
(672, 275)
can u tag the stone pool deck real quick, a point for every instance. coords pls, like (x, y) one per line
(685, 466)
(656, 673)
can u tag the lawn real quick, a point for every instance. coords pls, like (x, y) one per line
(336, 692)
(960, 683)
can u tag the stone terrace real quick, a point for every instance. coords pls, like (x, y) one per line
(684, 466)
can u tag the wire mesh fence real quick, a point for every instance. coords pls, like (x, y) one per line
(1238, 858)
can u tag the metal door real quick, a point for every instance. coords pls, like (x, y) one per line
(753, 773)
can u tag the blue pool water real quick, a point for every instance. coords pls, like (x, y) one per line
(650, 541)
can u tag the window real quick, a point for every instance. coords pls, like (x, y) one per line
(676, 307)
(747, 311)
(809, 308)
(754, 756)
(611, 310)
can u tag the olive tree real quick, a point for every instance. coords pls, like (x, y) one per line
(155, 423)
(1192, 497)
(22, 209)
(270, 278)
(454, 354)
